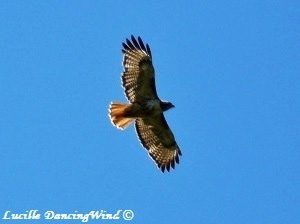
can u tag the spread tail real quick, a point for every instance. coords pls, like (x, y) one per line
(116, 114)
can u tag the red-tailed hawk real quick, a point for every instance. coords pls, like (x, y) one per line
(145, 107)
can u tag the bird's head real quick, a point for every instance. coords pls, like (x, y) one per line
(166, 105)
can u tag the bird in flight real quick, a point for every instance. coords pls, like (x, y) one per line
(145, 108)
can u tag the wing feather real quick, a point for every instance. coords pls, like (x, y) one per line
(130, 45)
(156, 136)
(141, 44)
(138, 75)
(135, 43)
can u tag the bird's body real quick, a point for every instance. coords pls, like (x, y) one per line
(138, 109)
(145, 107)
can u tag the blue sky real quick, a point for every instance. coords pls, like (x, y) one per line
(231, 68)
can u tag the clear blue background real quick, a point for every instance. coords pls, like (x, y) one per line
(230, 67)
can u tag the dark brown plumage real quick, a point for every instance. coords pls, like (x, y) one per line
(145, 107)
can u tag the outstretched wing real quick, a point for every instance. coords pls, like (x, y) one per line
(138, 75)
(156, 136)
